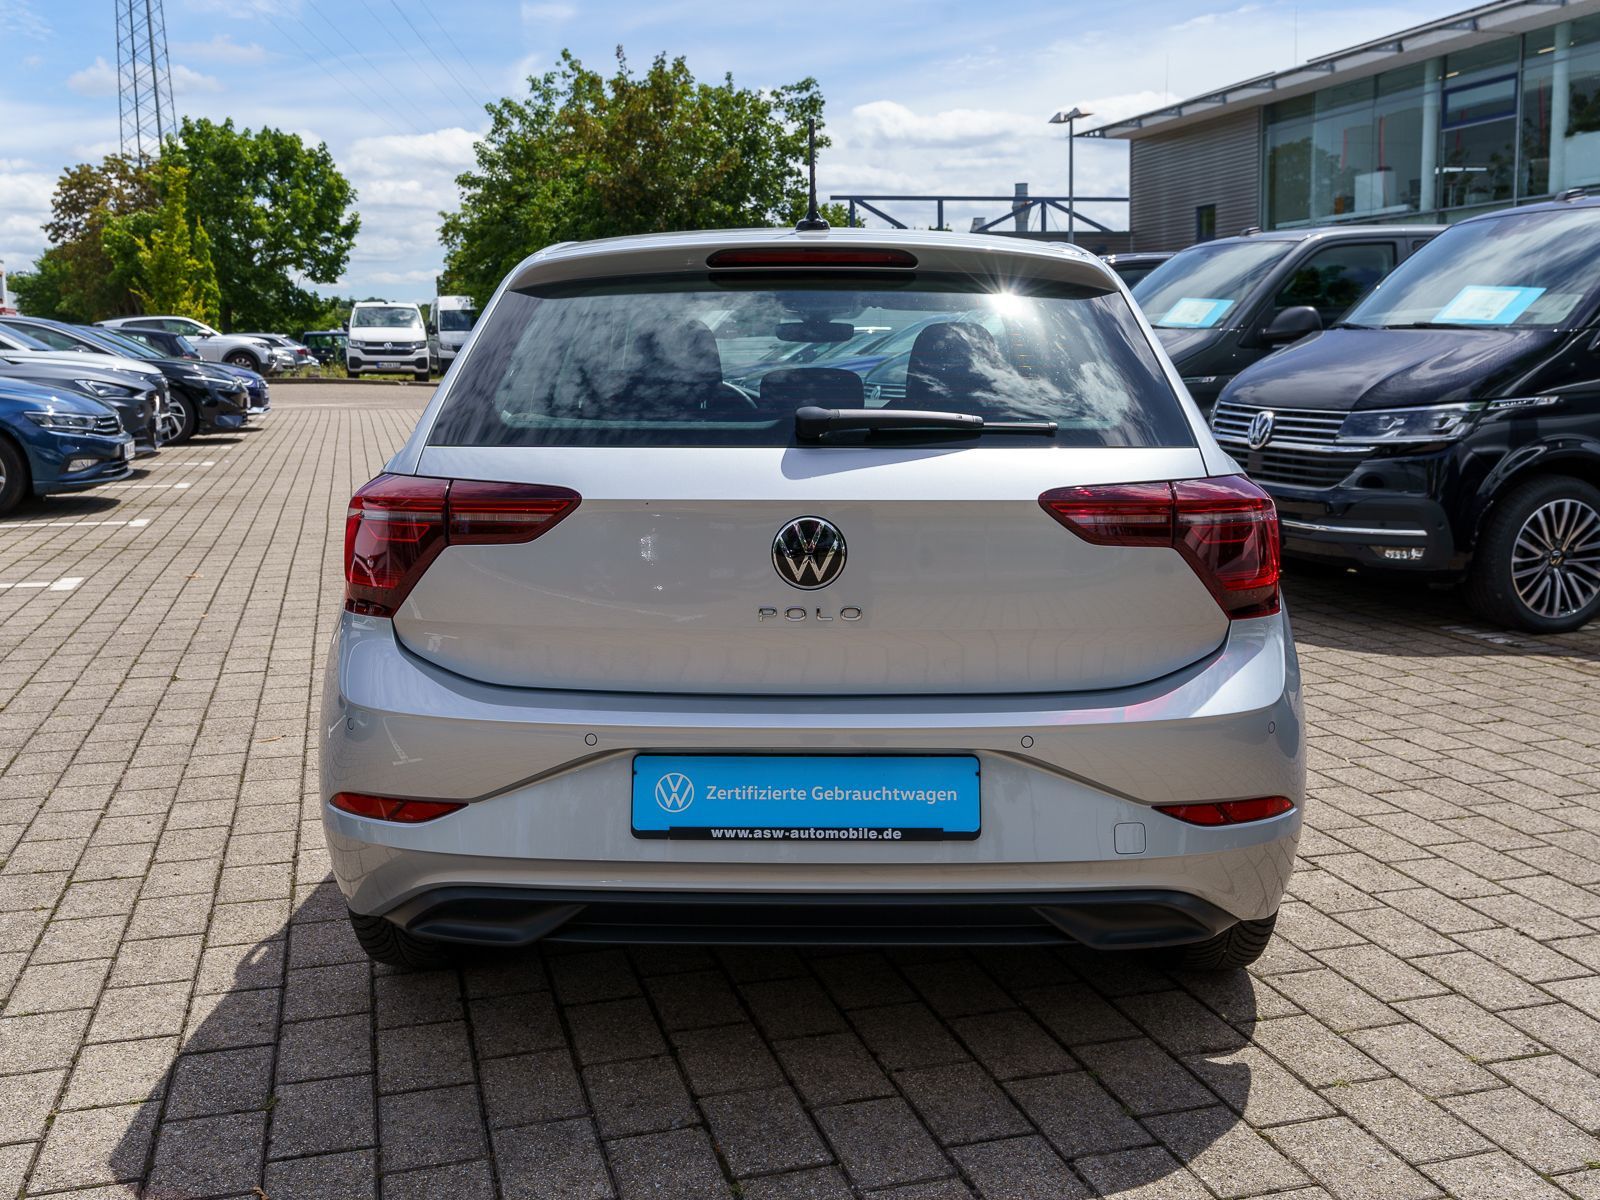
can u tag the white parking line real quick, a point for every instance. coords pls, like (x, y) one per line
(139, 523)
(147, 486)
(65, 584)
(180, 462)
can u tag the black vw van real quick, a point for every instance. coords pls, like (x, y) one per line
(1451, 424)
(1222, 305)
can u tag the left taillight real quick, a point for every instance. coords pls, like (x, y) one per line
(1225, 528)
(398, 524)
(389, 808)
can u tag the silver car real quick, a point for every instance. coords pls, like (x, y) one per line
(630, 653)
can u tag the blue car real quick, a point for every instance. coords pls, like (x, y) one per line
(56, 441)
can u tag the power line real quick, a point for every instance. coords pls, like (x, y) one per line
(428, 46)
(423, 117)
(488, 88)
(337, 75)
(422, 71)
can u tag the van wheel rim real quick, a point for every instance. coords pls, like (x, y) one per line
(1555, 561)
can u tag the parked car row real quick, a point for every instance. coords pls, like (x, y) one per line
(78, 403)
(1415, 399)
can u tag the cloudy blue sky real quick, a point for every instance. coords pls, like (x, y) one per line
(925, 97)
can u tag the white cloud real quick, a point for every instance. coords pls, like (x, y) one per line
(546, 14)
(18, 17)
(97, 79)
(1107, 109)
(402, 278)
(892, 122)
(222, 49)
(1211, 18)
(186, 81)
(450, 149)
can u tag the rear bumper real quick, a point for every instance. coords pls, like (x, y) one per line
(1105, 920)
(548, 780)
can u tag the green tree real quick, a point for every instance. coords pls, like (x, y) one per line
(39, 292)
(165, 253)
(587, 157)
(275, 209)
(75, 279)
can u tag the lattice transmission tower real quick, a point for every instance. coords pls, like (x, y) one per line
(144, 77)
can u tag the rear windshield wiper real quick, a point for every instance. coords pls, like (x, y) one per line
(813, 424)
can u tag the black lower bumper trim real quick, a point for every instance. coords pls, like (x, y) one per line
(1108, 919)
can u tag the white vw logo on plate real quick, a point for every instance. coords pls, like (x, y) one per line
(674, 792)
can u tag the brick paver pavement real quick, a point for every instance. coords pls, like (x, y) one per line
(184, 1005)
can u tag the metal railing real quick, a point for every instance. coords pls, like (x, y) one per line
(1021, 208)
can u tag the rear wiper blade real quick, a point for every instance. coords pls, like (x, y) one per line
(812, 423)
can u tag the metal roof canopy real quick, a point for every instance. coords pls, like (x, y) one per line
(1470, 27)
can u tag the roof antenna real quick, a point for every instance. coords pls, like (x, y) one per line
(812, 222)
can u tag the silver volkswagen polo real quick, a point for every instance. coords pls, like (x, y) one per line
(830, 586)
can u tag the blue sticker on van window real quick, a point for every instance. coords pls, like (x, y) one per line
(1196, 312)
(1476, 305)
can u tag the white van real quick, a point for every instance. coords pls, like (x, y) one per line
(387, 336)
(453, 319)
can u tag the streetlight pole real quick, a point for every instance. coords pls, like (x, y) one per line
(1068, 118)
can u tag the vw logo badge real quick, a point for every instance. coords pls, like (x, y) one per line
(808, 553)
(674, 792)
(388, 345)
(1261, 428)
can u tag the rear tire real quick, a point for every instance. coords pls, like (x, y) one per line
(421, 376)
(1553, 515)
(15, 482)
(1231, 950)
(386, 942)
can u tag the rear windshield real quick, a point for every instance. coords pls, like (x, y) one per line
(703, 362)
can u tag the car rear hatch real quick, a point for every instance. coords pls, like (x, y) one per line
(954, 579)
(695, 539)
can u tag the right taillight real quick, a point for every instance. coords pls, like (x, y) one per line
(1225, 528)
(398, 524)
(1229, 812)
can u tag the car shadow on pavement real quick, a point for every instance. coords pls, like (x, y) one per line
(574, 1072)
(1407, 618)
(62, 507)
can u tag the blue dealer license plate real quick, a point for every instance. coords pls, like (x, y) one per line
(758, 797)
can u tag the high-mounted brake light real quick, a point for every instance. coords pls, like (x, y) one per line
(398, 524)
(1229, 812)
(812, 256)
(1225, 528)
(387, 808)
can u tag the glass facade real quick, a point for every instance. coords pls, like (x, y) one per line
(1511, 120)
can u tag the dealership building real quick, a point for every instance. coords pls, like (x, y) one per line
(1493, 106)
